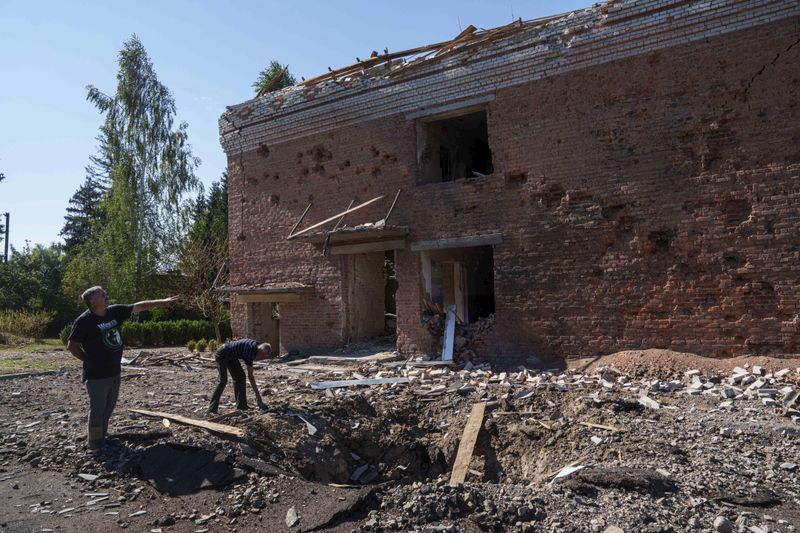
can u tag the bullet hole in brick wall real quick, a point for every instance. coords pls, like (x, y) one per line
(263, 150)
(310, 198)
(274, 199)
(318, 169)
(276, 176)
(549, 196)
(516, 178)
(389, 158)
(769, 227)
(304, 171)
(661, 239)
(732, 260)
(359, 170)
(454, 148)
(320, 153)
(375, 152)
(375, 172)
(735, 211)
(344, 164)
(610, 212)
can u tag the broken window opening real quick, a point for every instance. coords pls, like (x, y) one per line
(461, 276)
(454, 147)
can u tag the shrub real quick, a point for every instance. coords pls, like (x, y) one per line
(213, 345)
(201, 345)
(191, 345)
(64, 334)
(173, 333)
(30, 324)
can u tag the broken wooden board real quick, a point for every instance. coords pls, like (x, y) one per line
(449, 334)
(355, 382)
(346, 359)
(467, 444)
(211, 426)
(419, 364)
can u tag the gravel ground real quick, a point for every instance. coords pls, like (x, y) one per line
(719, 453)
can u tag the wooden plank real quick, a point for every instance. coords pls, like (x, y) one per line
(601, 426)
(458, 242)
(211, 426)
(467, 444)
(355, 382)
(299, 220)
(334, 217)
(377, 246)
(449, 334)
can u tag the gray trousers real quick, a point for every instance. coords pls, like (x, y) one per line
(102, 399)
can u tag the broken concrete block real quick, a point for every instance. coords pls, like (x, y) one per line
(726, 432)
(649, 402)
(291, 517)
(757, 370)
(782, 373)
(691, 373)
(723, 525)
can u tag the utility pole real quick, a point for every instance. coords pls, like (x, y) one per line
(6, 256)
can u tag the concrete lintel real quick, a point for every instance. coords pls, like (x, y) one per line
(471, 104)
(458, 242)
(366, 247)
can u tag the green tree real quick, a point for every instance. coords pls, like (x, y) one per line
(204, 253)
(274, 77)
(31, 281)
(84, 214)
(149, 165)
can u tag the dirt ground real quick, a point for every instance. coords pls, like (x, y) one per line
(379, 458)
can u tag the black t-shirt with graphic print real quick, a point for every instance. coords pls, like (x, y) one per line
(101, 340)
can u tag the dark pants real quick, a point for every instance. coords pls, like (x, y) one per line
(228, 363)
(103, 395)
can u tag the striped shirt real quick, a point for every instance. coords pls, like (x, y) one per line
(244, 349)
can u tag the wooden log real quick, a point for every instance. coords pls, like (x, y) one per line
(467, 444)
(211, 426)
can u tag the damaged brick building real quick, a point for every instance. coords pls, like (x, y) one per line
(620, 177)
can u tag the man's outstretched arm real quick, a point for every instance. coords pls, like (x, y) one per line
(138, 307)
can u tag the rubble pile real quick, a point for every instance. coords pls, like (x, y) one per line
(469, 340)
(370, 447)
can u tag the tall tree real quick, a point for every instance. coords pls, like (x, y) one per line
(204, 253)
(84, 214)
(274, 77)
(150, 168)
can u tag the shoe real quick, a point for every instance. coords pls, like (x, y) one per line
(245, 408)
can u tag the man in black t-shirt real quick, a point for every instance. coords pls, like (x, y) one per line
(95, 339)
(227, 357)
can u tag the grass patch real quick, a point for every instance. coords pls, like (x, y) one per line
(44, 345)
(13, 365)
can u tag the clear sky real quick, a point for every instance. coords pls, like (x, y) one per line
(207, 53)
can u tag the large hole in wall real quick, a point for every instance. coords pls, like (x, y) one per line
(461, 276)
(454, 147)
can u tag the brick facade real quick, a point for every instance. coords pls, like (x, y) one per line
(646, 183)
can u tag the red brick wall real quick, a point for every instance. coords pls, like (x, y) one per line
(651, 202)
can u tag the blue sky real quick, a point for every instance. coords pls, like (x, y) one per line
(207, 53)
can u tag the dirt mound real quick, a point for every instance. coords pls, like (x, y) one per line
(668, 362)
